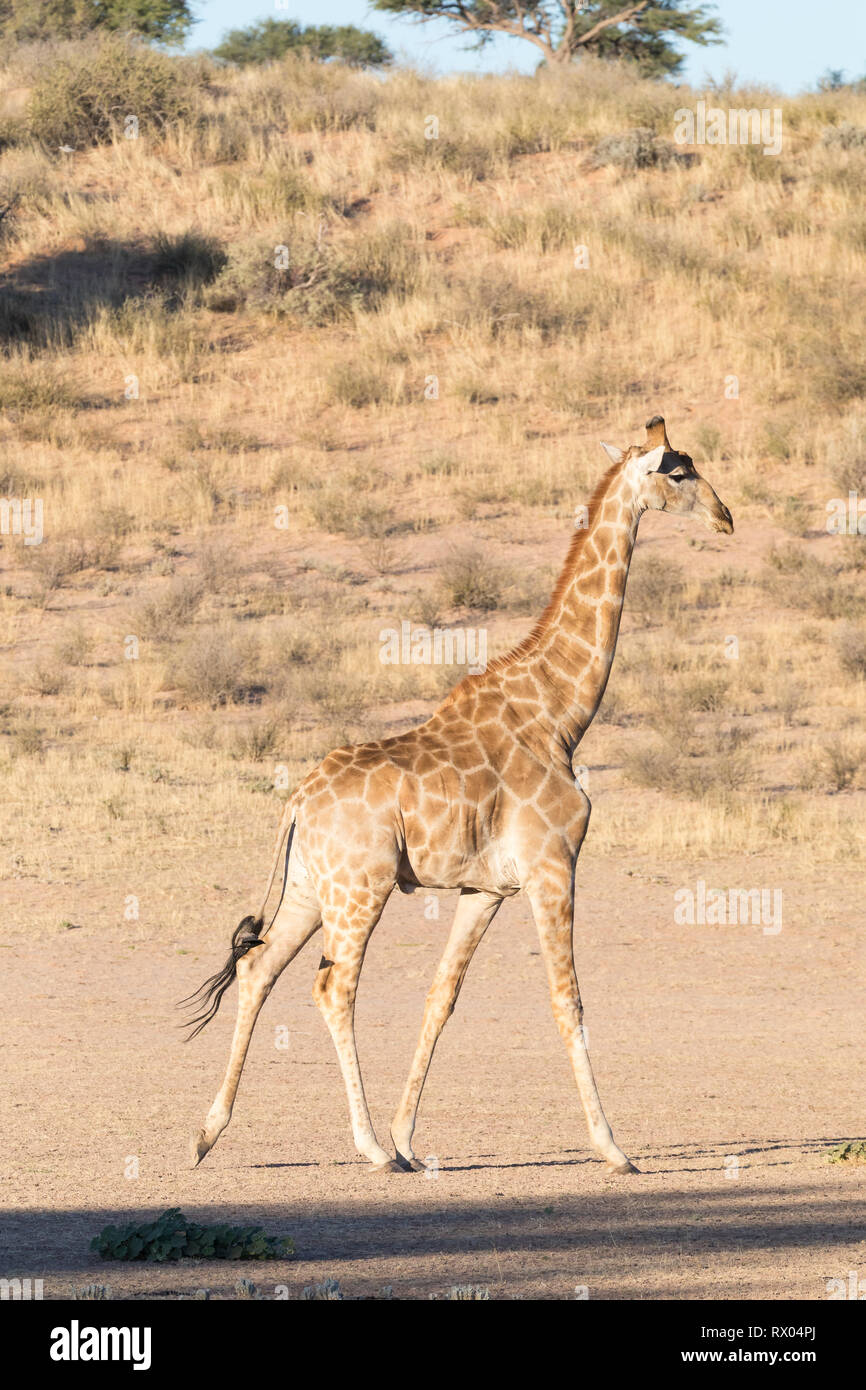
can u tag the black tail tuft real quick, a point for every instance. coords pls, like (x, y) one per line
(209, 995)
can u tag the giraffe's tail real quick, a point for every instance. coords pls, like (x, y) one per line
(246, 935)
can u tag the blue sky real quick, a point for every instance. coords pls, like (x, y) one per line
(787, 43)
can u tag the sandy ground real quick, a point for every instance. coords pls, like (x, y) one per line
(729, 1061)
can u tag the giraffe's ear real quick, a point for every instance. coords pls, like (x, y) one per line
(614, 454)
(649, 463)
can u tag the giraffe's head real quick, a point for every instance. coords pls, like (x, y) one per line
(667, 481)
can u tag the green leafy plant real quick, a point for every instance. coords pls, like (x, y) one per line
(172, 1237)
(854, 1151)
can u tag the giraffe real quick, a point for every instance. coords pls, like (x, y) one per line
(481, 798)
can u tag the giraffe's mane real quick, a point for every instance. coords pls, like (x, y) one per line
(578, 541)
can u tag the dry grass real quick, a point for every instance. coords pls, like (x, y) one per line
(284, 372)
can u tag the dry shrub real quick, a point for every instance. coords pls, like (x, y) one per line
(257, 740)
(357, 385)
(280, 189)
(163, 617)
(799, 579)
(851, 646)
(28, 386)
(470, 581)
(717, 768)
(841, 762)
(216, 667)
(45, 679)
(76, 649)
(220, 567)
(636, 149)
(343, 508)
(656, 587)
(844, 136)
(56, 561)
(322, 281)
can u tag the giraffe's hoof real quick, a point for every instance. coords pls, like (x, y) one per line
(622, 1168)
(410, 1165)
(392, 1166)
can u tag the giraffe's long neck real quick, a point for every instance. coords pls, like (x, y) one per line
(570, 655)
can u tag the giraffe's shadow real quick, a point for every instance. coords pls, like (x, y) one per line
(706, 1157)
(703, 1237)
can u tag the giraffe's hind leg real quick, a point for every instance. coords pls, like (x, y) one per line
(347, 931)
(475, 912)
(299, 916)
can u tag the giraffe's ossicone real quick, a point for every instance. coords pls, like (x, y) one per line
(481, 798)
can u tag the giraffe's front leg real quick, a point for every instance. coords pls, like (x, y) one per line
(475, 912)
(551, 894)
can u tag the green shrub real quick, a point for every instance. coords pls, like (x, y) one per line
(85, 94)
(172, 1237)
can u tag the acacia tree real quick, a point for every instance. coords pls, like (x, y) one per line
(644, 30)
(164, 21)
(270, 39)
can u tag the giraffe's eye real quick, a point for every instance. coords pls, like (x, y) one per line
(677, 477)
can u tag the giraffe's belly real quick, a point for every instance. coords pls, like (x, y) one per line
(489, 870)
